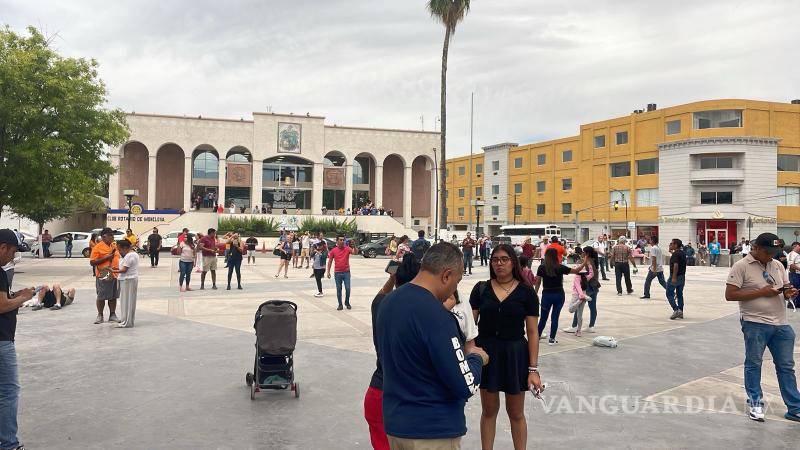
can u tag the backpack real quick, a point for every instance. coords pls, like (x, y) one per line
(419, 247)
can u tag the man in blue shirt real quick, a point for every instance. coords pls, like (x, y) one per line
(427, 375)
(714, 251)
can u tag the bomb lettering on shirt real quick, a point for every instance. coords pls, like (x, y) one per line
(464, 366)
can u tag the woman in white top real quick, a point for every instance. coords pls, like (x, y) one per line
(128, 282)
(186, 262)
(296, 252)
(402, 248)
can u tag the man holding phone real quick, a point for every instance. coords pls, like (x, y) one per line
(9, 380)
(104, 257)
(760, 285)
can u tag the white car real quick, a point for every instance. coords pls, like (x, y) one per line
(118, 234)
(80, 244)
(170, 239)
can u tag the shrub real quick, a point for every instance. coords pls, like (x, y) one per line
(262, 226)
(329, 225)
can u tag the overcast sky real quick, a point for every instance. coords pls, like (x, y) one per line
(539, 68)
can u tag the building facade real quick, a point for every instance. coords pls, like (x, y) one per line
(283, 161)
(723, 169)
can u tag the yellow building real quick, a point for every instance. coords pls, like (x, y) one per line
(718, 168)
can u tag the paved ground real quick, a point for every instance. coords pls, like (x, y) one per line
(177, 379)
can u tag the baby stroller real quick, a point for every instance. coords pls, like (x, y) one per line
(276, 337)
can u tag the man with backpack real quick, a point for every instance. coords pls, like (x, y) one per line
(420, 246)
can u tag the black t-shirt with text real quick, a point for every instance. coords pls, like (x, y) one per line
(251, 243)
(554, 283)
(8, 320)
(679, 258)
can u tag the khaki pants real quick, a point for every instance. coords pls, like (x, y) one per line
(396, 443)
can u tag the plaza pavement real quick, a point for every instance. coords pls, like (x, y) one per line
(177, 379)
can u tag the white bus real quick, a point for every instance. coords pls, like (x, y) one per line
(518, 233)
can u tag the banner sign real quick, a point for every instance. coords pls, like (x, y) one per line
(140, 223)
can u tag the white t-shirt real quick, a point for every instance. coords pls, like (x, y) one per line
(305, 241)
(466, 321)
(600, 248)
(793, 258)
(131, 261)
(187, 252)
(655, 251)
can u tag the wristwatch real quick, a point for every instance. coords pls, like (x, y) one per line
(533, 369)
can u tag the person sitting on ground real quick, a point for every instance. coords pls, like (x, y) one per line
(54, 298)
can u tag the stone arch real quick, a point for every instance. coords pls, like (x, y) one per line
(205, 172)
(394, 167)
(169, 177)
(421, 186)
(238, 177)
(134, 168)
(363, 179)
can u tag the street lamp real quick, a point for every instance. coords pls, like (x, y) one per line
(436, 218)
(478, 204)
(129, 194)
(616, 208)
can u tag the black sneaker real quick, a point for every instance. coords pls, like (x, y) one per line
(348, 306)
(792, 417)
(339, 308)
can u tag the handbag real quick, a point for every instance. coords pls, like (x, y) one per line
(575, 303)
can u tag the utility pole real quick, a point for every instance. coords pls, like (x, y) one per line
(436, 217)
(422, 122)
(469, 175)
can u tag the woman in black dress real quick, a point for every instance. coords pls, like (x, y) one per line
(506, 309)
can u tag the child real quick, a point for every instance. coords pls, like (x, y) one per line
(128, 282)
(466, 320)
(527, 273)
(579, 284)
(319, 259)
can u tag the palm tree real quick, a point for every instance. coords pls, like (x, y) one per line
(450, 13)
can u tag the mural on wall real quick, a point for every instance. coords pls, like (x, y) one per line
(333, 178)
(289, 135)
(239, 175)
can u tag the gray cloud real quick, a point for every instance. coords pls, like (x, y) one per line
(539, 68)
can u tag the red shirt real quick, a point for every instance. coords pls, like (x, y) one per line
(341, 258)
(209, 242)
(527, 250)
(559, 251)
(181, 238)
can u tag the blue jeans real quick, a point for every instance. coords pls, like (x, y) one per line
(794, 278)
(592, 309)
(9, 395)
(714, 259)
(551, 300)
(649, 279)
(468, 257)
(67, 251)
(780, 341)
(342, 277)
(186, 272)
(675, 290)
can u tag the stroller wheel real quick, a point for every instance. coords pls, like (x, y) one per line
(252, 391)
(248, 378)
(296, 387)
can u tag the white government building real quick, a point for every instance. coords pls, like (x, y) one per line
(285, 161)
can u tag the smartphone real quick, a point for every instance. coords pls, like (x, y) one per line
(783, 288)
(37, 289)
(391, 268)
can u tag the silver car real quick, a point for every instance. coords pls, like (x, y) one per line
(80, 244)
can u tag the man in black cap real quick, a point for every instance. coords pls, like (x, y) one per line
(760, 284)
(9, 382)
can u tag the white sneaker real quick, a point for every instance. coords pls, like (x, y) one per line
(757, 413)
(590, 330)
(318, 294)
(569, 329)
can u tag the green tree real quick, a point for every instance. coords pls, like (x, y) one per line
(450, 13)
(54, 129)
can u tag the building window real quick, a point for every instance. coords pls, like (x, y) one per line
(622, 137)
(478, 168)
(566, 208)
(541, 159)
(716, 198)
(540, 185)
(461, 193)
(495, 189)
(495, 210)
(673, 127)
(721, 118)
(518, 188)
(206, 165)
(517, 210)
(495, 166)
(478, 191)
(647, 166)
(445, 212)
(461, 170)
(566, 156)
(789, 163)
(621, 197)
(788, 196)
(566, 184)
(717, 162)
(461, 212)
(647, 197)
(517, 163)
(446, 192)
(620, 169)
(599, 141)
(540, 208)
